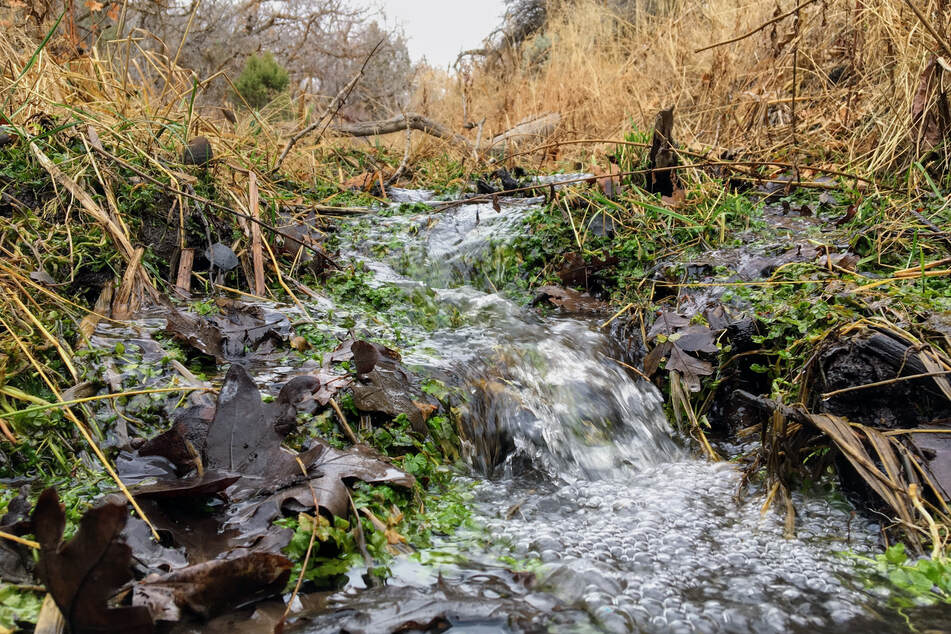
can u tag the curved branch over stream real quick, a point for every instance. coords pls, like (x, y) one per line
(407, 121)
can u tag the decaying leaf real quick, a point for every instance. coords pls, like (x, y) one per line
(240, 438)
(336, 468)
(237, 332)
(677, 339)
(83, 573)
(569, 299)
(384, 385)
(690, 368)
(367, 354)
(212, 587)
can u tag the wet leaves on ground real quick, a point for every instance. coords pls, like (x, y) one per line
(239, 331)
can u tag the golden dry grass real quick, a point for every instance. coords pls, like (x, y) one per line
(603, 72)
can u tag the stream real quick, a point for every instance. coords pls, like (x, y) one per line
(634, 531)
(577, 475)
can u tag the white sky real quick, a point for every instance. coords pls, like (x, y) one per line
(439, 29)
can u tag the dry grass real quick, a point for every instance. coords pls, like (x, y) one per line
(856, 68)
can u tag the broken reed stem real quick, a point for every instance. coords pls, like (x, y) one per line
(343, 423)
(20, 540)
(84, 432)
(257, 257)
(103, 397)
(910, 377)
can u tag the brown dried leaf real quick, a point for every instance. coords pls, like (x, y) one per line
(83, 573)
(690, 367)
(212, 587)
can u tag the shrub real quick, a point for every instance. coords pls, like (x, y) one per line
(261, 79)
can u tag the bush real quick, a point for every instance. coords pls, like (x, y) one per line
(261, 79)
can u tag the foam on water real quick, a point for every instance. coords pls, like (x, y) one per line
(667, 548)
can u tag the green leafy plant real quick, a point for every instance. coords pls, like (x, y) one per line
(925, 580)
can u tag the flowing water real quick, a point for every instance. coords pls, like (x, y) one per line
(577, 474)
(578, 469)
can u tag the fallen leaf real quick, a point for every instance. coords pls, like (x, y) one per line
(209, 483)
(237, 333)
(655, 356)
(849, 214)
(83, 573)
(569, 299)
(212, 587)
(336, 468)
(690, 367)
(695, 339)
(666, 323)
(367, 354)
(240, 439)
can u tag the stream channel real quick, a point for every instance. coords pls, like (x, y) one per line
(575, 467)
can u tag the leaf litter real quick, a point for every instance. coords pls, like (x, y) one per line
(212, 485)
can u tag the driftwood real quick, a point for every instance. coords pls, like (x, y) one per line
(540, 125)
(408, 121)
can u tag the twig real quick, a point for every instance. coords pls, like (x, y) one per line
(343, 423)
(329, 113)
(762, 26)
(934, 33)
(310, 547)
(853, 388)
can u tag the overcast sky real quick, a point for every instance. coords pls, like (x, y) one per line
(439, 29)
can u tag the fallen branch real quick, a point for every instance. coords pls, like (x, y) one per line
(410, 121)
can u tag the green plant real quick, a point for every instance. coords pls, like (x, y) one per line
(261, 79)
(921, 581)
